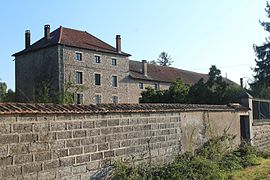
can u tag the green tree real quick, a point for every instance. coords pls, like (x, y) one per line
(3, 90)
(164, 59)
(178, 91)
(262, 69)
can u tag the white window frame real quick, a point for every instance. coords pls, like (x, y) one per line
(76, 97)
(157, 86)
(76, 77)
(115, 61)
(141, 87)
(97, 94)
(78, 52)
(96, 55)
(95, 78)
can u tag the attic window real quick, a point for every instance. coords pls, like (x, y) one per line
(78, 56)
(97, 59)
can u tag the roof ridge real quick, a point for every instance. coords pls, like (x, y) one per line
(99, 39)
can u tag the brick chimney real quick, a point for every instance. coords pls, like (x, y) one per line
(144, 67)
(47, 32)
(118, 43)
(27, 39)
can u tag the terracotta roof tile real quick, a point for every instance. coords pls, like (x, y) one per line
(163, 74)
(27, 108)
(74, 38)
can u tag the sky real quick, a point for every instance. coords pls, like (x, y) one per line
(196, 34)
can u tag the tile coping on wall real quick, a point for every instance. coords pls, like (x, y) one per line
(37, 108)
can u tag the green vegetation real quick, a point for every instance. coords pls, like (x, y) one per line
(214, 91)
(6, 95)
(216, 159)
(261, 85)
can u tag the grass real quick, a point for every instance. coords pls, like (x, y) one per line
(261, 171)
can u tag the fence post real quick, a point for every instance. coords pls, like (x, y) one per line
(246, 101)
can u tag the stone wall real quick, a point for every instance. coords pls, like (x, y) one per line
(89, 67)
(261, 135)
(68, 145)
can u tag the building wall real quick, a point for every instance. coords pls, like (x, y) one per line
(33, 68)
(66, 146)
(105, 68)
(135, 91)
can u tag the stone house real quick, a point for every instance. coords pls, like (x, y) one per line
(99, 72)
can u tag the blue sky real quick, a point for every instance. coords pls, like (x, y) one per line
(197, 34)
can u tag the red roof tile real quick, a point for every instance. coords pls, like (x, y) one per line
(31, 108)
(163, 74)
(74, 38)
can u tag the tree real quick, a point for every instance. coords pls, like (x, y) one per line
(3, 90)
(262, 69)
(164, 59)
(178, 91)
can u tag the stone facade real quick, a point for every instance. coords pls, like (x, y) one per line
(261, 133)
(76, 146)
(89, 67)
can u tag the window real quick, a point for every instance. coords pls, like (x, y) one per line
(97, 59)
(97, 79)
(114, 81)
(156, 86)
(114, 62)
(114, 99)
(78, 56)
(140, 85)
(79, 77)
(79, 98)
(97, 98)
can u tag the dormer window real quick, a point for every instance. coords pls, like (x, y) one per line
(78, 56)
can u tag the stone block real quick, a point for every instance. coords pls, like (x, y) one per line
(90, 148)
(74, 125)
(64, 135)
(68, 161)
(31, 167)
(117, 129)
(119, 152)
(5, 161)
(57, 144)
(105, 131)
(5, 128)
(79, 133)
(75, 150)
(82, 158)
(60, 153)
(23, 158)
(89, 124)
(94, 165)
(58, 126)
(46, 136)
(123, 122)
(114, 145)
(39, 146)
(113, 122)
(101, 123)
(3, 150)
(15, 149)
(96, 156)
(108, 154)
(73, 142)
(64, 171)
(8, 139)
(51, 164)
(47, 175)
(93, 132)
(27, 118)
(41, 127)
(100, 139)
(43, 156)
(22, 128)
(102, 147)
(31, 138)
(12, 171)
(87, 141)
(79, 169)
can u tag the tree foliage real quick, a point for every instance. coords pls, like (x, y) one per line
(6, 95)
(214, 91)
(261, 84)
(164, 59)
